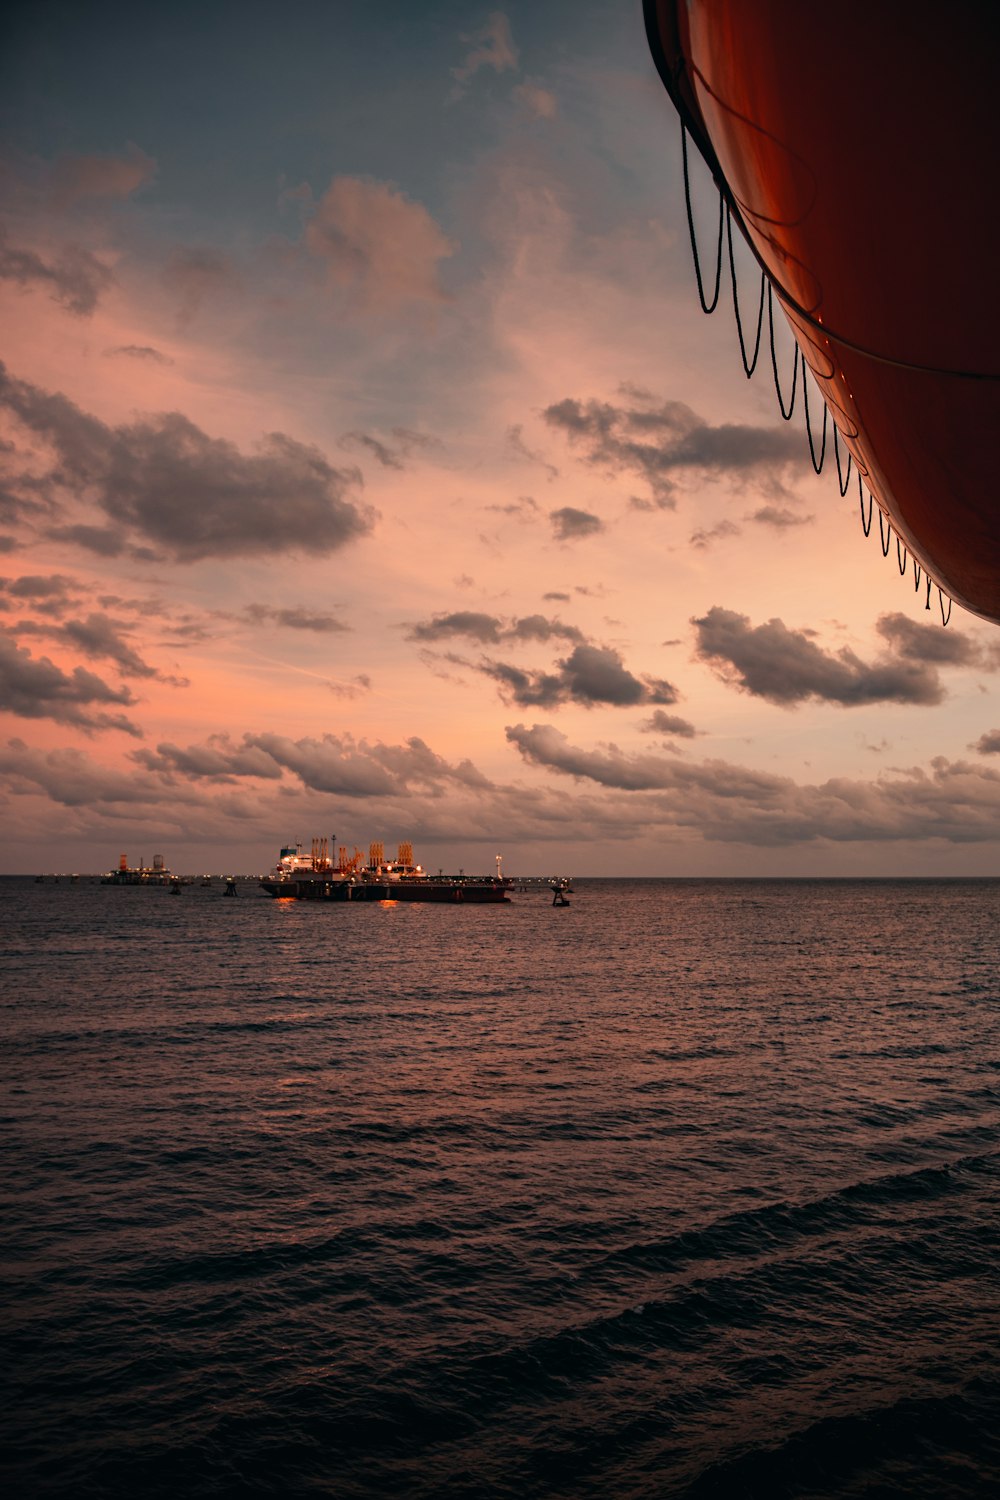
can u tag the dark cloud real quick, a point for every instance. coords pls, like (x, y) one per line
(788, 667)
(719, 533)
(490, 630)
(658, 442)
(467, 622)
(779, 517)
(295, 619)
(217, 760)
(589, 676)
(143, 352)
(953, 801)
(76, 279)
(355, 768)
(570, 524)
(929, 644)
(190, 494)
(39, 586)
(106, 541)
(38, 689)
(556, 597)
(669, 724)
(390, 455)
(9, 544)
(100, 637)
(356, 688)
(989, 743)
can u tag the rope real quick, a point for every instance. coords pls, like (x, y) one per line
(916, 575)
(750, 366)
(941, 598)
(774, 361)
(866, 526)
(883, 538)
(901, 557)
(816, 463)
(929, 582)
(843, 477)
(707, 307)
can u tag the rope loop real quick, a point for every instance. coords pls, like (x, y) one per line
(941, 598)
(866, 526)
(707, 307)
(843, 475)
(930, 582)
(774, 361)
(748, 365)
(902, 557)
(817, 463)
(884, 531)
(916, 575)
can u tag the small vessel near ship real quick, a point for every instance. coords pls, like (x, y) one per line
(140, 874)
(318, 876)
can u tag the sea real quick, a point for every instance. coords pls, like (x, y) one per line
(690, 1188)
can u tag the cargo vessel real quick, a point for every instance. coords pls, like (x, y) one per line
(318, 876)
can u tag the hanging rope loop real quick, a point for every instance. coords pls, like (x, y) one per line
(884, 531)
(749, 365)
(843, 475)
(817, 463)
(774, 361)
(707, 307)
(866, 526)
(902, 557)
(941, 598)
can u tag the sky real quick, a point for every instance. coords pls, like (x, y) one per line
(370, 471)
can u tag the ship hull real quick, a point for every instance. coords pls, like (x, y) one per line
(448, 892)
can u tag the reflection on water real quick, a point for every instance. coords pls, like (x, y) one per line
(689, 1188)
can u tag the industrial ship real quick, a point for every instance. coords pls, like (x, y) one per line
(317, 876)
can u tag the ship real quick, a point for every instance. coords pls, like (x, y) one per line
(318, 876)
(140, 874)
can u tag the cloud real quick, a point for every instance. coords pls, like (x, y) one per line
(538, 101)
(390, 455)
(295, 619)
(779, 517)
(589, 676)
(99, 638)
(38, 689)
(669, 724)
(658, 442)
(516, 442)
(989, 743)
(930, 644)
(144, 352)
(197, 274)
(719, 533)
(75, 178)
(105, 541)
(35, 586)
(953, 801)
(190, 494)
(492, 47)
(491, 629)
(219, 759)
(570, 524)
(356, 768)
(377, 242)
(76, 279)
(788, 667)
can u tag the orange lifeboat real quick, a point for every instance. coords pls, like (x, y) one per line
(855, 149)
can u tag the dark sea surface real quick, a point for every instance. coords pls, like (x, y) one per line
(691, 1188)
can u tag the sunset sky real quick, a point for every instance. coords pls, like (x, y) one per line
(370, 469)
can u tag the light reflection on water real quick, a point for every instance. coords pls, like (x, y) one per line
(687, 1188)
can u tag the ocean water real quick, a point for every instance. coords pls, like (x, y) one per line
(691, 1188)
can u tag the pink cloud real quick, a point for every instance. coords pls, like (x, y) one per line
(378, 242)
